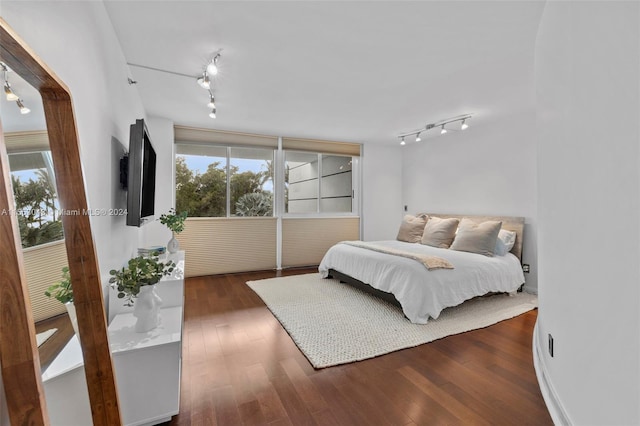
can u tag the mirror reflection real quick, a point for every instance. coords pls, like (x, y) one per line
(37, 212)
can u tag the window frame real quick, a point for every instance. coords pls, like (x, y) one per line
(227, 168)
(355, 181)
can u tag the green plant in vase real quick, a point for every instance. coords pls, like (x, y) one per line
(175, 222)
(63, 293)
(140, 271)
(61, 290)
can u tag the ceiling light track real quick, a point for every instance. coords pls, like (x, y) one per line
(204, 79)
(9, 92)
(463, 119)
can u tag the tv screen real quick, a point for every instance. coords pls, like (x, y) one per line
(141, 179)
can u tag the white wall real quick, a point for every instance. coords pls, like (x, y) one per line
(488, 169)
(161, 133)
(381, 192)
(76, 40)
(587, 81)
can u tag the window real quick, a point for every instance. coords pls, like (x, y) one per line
(218, 181)
(318, 183)
(251, 183)
(36, 200)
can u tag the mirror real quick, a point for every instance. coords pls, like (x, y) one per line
(19, 358)
(37, 210)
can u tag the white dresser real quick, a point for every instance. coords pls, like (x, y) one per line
(147, 365)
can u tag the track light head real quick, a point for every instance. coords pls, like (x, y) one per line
(10, 95)
(23, 109)
(212, 101)
(402, 142)
(212, 114)
(443, 131)
(418, 138)
(212, 67)
(464, 125)
(204, 81)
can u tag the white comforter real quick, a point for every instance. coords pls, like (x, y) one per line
(424, 293)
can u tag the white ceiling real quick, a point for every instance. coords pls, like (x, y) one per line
(361, 71)
(12, 119)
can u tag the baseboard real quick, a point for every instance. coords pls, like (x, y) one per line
(556, 410)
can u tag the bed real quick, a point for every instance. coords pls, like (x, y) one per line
(422, 293)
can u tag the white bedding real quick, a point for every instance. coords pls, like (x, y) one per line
(424, 293)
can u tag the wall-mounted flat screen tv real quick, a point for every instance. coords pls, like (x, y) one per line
(140, 175)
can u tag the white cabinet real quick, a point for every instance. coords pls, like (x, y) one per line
(147, 365)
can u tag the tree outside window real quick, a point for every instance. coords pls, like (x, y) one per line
(36, 200)
(202, 185)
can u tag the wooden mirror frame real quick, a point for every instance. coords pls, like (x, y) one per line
(19, 358)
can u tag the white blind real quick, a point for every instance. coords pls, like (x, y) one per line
(306, 240)
(226, 245)
(43, 267)
(325, 147)
(26, 141)
(193, 135)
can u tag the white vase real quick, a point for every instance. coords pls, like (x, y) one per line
(71, 310)
(146, 309)
(173, 245)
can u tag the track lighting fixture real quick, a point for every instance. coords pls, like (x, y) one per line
(9, 92)
(23, 109)
(212, 67)
(212, 101)
(418, 133)
(204, 81)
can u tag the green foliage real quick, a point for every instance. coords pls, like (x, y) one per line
(61, 290)
(37, 210)
(255, 204)
(173, 221)
(204, 195)
(140, 271)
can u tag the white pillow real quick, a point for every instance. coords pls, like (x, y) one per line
(504, 243)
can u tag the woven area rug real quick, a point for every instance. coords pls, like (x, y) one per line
(333, 323)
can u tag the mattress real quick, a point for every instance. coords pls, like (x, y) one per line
(423, 294)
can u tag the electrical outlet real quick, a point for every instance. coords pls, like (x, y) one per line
(551, 345)
(525, 268)
(406, 208)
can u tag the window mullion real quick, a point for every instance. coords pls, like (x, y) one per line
(228, 181)
(319, 183)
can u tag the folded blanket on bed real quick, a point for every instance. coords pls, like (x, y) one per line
(430, 262)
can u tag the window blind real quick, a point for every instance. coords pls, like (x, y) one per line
(306, 240)
(26, 141)
(325, 147)
(192, 135)
(226, 245)
(43, 267)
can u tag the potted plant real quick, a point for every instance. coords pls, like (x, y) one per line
(63, 292)
(137, 281)
(175, 222)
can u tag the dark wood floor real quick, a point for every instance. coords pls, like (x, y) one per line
(241, 367)
(54, 344)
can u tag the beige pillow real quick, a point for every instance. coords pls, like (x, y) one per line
(439, 232)
(477, 237)
(411, 228)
